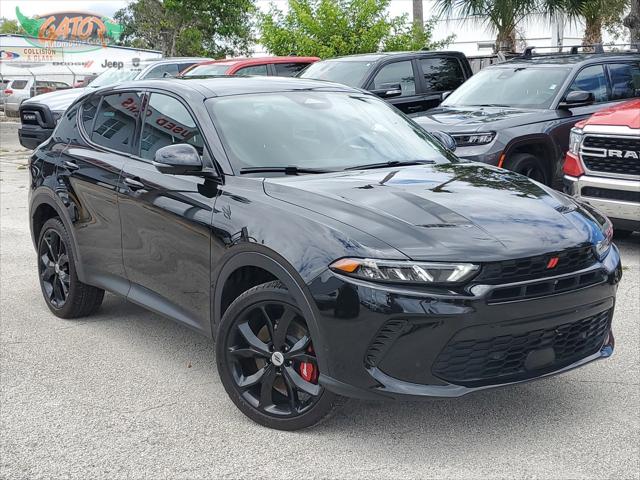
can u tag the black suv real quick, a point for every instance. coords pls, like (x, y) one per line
(518, 114)
(329, 244)
(411, 81)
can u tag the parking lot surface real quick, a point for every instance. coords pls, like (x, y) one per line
(128, 394)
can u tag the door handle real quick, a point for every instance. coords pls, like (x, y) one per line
(133, 184)
(414, 109)
(71, 165)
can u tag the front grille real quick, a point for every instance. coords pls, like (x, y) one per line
(531, 268)
(609, 194)
(618, 155)
(504, 358)
(546, 287)
(29, 117)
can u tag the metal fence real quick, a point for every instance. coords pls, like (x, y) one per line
(19, 82)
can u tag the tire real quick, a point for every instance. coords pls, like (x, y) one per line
(529, 166)
(64, 294)
(266, 383)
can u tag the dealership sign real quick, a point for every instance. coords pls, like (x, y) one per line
(74, 32)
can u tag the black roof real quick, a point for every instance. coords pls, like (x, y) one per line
(374, 57)
(236, 85)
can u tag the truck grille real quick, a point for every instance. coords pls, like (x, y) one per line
(619, 155)
(504, 358)
(530, 268)
(609, 194)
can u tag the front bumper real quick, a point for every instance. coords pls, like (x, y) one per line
(31, 136)
(37, 124)
(618, 199)
(379, 341)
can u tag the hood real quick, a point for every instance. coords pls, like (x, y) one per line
(463, 211)
(58, 100)
(472, 119)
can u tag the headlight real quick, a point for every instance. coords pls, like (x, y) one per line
(603, 246)
(405, 271)
(575, 139)
(469, 139)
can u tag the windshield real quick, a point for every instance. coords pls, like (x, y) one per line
(346, 72)
(113, 76)
(528, 87)
(318, 130)
(212, 69)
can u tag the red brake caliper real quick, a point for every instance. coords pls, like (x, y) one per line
(307, 370)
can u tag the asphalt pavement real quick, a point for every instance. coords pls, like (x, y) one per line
(128, 394)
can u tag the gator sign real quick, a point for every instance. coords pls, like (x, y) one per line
(75, 32)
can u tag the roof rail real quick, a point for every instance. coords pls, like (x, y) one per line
(528, 52)
(575, 49)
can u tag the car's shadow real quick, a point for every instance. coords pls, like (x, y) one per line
(543, 408)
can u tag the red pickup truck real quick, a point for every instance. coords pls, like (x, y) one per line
(602, 165)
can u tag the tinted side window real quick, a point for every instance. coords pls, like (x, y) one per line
(253, 70)
(441, 74)
(592, 79)
(625, 80)
(167, 121)
(89, 109)
(398, 72)
(288, 69)
(170, 69)
(116, 121)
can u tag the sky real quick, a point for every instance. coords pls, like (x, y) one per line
(109, 7)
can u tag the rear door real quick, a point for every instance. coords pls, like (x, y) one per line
(91, 169)
(166, 218)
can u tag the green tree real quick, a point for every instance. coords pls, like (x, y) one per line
(504, 16)
(188, 27)
(10, 26)
(328, 28)
(602, 14)
(632, 21)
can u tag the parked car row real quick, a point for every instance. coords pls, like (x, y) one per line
(15, 91)
(515, 115)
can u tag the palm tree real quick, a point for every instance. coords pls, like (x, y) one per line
(504, 16)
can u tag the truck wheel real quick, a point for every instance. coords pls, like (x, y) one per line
(529, 166)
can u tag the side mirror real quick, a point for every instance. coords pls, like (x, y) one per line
(579, 98)
(178, 159)
(446, 140)
(388, 90)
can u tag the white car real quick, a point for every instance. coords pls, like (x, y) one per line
(20, 89)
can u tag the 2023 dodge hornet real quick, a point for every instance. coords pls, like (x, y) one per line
(330, 245)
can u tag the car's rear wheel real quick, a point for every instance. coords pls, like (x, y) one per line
(65, 295)
(267, 362)
(529, 166)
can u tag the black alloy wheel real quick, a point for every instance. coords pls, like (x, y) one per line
(53, 267)
(65, 295)
(267, 362)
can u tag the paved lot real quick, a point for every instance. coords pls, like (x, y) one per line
(128, 394)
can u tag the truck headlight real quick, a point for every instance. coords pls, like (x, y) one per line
(470, 139)
(575, 140)
(405, 271)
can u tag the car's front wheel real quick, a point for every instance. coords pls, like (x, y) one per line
(267, 362)
(529, 166)
(66, 296)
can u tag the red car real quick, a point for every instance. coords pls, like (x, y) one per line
(278, 66)
(602, 166)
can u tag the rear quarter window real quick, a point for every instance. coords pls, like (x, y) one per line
(19, 84)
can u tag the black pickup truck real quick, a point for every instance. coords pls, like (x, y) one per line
(411, 81)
